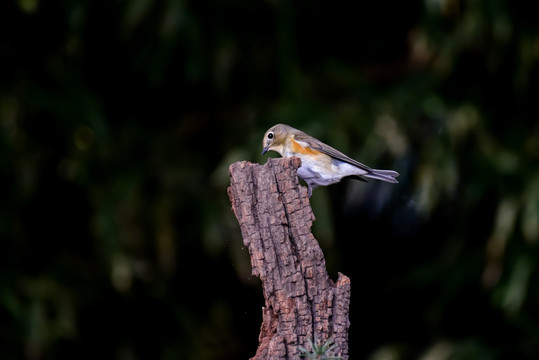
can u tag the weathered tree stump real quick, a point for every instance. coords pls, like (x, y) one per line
(301, 302)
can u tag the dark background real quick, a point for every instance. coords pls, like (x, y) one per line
(119, 119)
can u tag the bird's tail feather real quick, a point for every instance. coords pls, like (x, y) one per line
(384, 175)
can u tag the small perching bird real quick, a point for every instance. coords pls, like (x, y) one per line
(321, 164)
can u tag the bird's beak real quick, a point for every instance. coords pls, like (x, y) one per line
(265, 150)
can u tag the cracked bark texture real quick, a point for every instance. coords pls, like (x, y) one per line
(301, 302)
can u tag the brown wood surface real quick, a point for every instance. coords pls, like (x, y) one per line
(301, 302)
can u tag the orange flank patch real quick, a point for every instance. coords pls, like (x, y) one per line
(297, 148)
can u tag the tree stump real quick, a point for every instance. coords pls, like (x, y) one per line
(302, 304)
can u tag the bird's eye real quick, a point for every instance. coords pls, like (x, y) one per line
(270, 135)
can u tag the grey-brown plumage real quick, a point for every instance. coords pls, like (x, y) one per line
(321, 163)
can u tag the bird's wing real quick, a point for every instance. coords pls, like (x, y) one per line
(328, 150)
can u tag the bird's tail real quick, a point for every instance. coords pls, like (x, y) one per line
(384, 175)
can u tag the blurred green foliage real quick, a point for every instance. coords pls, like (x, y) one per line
(119, 119)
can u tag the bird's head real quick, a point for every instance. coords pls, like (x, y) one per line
(274, 139)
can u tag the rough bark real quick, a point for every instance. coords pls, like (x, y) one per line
(301, 302)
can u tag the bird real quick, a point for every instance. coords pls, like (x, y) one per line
(321, 165)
